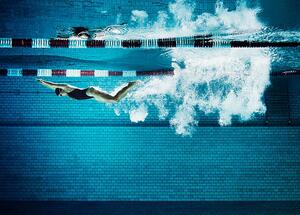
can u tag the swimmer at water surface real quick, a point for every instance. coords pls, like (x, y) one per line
(98, 33)
(87, 93)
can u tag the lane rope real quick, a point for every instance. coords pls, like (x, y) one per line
(286, 73)
(17, 72)
(198, 41)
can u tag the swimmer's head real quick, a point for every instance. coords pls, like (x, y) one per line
(60, 92)
(84, 35)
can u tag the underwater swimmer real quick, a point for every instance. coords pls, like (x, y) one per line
(87, 93)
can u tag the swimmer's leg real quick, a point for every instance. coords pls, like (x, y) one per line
(99, 95)
(105, 97)
(123, 92)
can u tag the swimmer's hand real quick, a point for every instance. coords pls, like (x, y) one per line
(40, 80)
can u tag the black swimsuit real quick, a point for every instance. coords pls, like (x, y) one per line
(79, 94)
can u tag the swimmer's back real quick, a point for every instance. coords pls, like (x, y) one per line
(79, 94)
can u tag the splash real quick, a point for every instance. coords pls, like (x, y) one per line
(139, 114)
(139, 17)
(180, 20)
(226, 82)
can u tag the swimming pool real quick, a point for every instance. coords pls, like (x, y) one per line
(172, 139)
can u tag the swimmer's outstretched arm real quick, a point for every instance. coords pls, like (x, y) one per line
(53, 86)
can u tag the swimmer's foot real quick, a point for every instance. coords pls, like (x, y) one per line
(133, 83)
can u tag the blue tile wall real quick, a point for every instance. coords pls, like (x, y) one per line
(131, 163)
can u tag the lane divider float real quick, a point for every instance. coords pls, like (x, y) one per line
(286, 73)
(16, 72)
(198, 41)
(82, 73)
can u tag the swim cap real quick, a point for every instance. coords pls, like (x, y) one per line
(57, 91)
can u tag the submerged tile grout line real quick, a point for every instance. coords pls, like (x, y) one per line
(18, 72)
(198, 41)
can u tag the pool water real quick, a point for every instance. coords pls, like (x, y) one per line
(208, 133)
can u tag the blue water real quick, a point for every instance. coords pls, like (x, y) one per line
(54, 148)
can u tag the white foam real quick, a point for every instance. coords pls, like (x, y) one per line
(139, 16)
(227, 82)
(138, 114)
